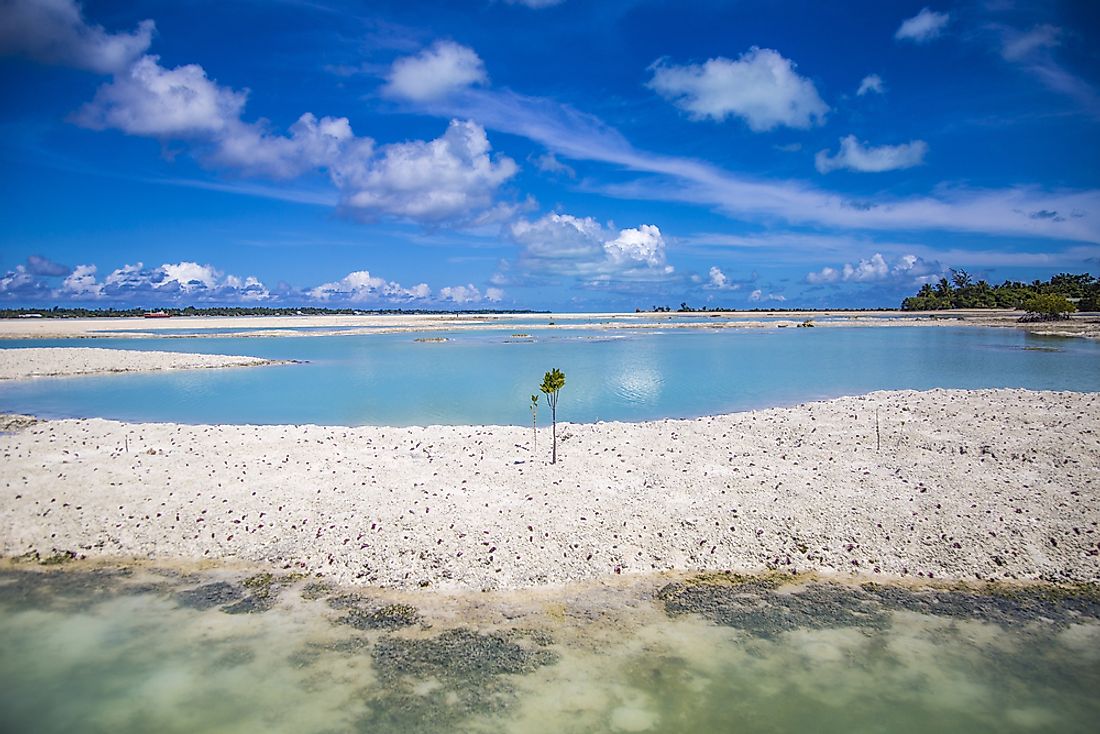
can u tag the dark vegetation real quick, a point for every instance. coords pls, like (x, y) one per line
(1049, 298)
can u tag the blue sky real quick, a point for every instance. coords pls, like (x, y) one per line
(538, 154)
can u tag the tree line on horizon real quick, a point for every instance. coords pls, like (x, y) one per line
(962, 291)
(64, 312)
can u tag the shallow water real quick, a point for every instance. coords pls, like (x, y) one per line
(100, 650)
(486, 377)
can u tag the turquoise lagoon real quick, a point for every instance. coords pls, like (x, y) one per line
(485, 376)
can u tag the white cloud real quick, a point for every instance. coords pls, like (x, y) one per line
(20, 283)
(759, 295)
(906, 270)
(55, 32)
(452, 178)
(435, 72)
(562, 244)
(922, 27)
(633, 247)
(81, 283)
(148, 99)
(761, 87)
(461, 294)
(494, 295)
(858, 156)
(184, 281)
(719, 281)
(560, 237)
(360, 286)
(328, 143)
(872, 83)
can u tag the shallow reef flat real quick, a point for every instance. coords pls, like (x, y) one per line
(943, 484)
(185, 647)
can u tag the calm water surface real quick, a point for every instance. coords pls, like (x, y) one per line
(486, 377)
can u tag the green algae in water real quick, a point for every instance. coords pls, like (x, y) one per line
(117, 651)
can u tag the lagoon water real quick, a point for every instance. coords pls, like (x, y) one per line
(161, 651)
(486, 376)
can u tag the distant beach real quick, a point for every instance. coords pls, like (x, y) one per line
(1080, 325)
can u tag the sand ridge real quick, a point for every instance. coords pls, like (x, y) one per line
(21, 364)
(1080, 325)
(952, 484)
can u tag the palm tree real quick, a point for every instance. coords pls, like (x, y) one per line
(552, 382)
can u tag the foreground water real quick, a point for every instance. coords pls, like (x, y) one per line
(140, 650)
(487, 377)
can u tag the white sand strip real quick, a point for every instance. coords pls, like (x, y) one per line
(966, 484)
(1081, 325)
(19, 364)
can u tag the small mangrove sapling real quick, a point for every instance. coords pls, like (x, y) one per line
(552, 383)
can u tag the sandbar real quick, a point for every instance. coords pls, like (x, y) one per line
(939, 484)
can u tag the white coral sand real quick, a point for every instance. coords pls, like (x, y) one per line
(17, 364)
(954, 484)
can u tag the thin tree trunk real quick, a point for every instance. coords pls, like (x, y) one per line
(554, 450)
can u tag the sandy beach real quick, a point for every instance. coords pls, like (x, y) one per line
(1081, 325)
(989, 484)
(20, 364)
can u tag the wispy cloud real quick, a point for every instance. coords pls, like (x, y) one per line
(923, 27)
(573, 134)
(857, 156)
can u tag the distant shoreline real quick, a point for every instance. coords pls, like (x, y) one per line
(1079, 325)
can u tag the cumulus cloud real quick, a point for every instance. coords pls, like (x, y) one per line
(184, 281)
(857, 156)
(148, 99)
(461, 294)
(922, 27)
(872, 83)
(906, 270)
(360, 286)
(759, 296)
(81, 283)
(326, 143)
(55, 32)
(444, 68)
(761, 87)
(452, 178)
(719, 281)
(562, 244)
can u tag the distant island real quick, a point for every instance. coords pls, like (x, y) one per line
(961, 291)
(86, 313)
